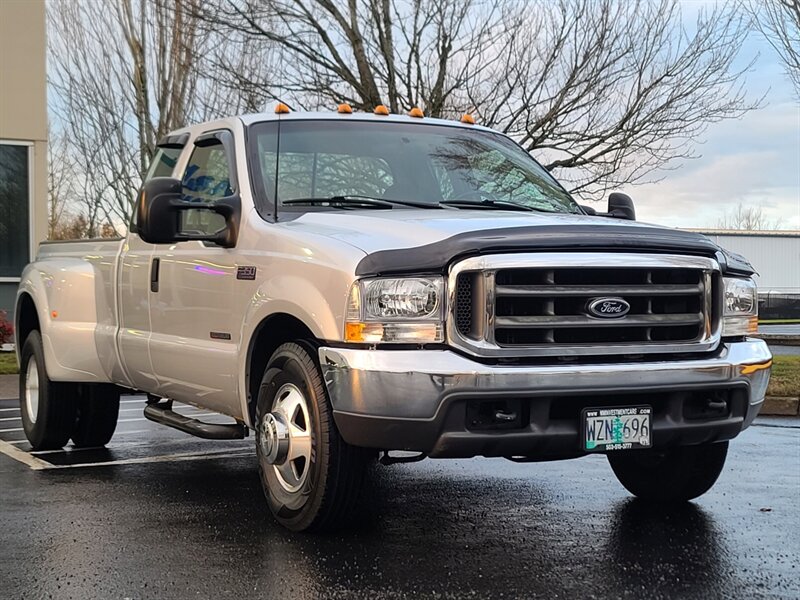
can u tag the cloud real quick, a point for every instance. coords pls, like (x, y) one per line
(754, 161)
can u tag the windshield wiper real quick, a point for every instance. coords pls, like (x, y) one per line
(353, 200)
(398, 202)
(487, 203)
(338, 200)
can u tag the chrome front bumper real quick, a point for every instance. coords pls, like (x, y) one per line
(397, 388)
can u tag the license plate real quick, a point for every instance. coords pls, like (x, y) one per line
(626, 428)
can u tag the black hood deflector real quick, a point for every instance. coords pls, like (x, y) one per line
(436, 257)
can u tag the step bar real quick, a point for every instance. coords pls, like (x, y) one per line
(162, 413)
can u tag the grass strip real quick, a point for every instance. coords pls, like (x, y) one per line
(8, 363)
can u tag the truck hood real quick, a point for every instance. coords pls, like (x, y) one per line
(375, 230)
(406, 240)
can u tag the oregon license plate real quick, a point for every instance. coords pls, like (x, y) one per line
(626, 428)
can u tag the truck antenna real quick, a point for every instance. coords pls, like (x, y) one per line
(277, 166)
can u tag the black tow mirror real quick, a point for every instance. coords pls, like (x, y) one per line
(620, 206)
(165, 217)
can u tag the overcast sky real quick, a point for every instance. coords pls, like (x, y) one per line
(754, 160)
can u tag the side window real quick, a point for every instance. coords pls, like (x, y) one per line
(207, 178)
(163, 163)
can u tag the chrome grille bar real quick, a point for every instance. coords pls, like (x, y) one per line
(536, 304)
(598, 290)
(570, 321)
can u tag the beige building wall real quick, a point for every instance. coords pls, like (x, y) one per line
(23, 105)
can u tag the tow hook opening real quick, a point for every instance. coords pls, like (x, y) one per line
(713, 405)
(496, 414)
(403, 457)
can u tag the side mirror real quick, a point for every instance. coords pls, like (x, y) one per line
(161, 215)
(620, 206)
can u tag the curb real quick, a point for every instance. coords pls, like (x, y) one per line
(779, 339)
(781, 406)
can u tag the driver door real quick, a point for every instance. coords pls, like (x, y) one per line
(194, 337)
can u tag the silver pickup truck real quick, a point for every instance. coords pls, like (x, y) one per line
(349, 286)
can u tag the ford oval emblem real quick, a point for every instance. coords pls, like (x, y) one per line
(608, 308)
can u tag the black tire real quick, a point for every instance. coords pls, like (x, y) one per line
(49, 424)
(675, 475)
(327, 496)
(98, 409)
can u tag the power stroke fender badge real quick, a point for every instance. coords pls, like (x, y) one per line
(608, 308)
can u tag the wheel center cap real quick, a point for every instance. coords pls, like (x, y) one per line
(274, 440)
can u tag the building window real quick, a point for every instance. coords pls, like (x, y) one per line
(15, 206)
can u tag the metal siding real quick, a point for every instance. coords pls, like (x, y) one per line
(776, 258)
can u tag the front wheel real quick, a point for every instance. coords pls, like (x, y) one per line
(675, 475)
(311, 477)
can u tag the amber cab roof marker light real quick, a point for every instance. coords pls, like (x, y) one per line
(468, 119)
(281, 109)
(344, 109)
(381, 110)
(416, 112)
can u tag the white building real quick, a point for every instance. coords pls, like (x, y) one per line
(23, 140)
(774, 254)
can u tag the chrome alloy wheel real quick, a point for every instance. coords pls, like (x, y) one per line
(285, 438)
(32, 390)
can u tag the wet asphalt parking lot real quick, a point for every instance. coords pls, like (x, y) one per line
(159, 514)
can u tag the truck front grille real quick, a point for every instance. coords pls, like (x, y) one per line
(507, 306)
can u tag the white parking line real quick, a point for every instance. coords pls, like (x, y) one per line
(116, 433)
(186, 414)
(37, 464)
(10, 430)
(163, 458)
(7, 409)
(132, 431)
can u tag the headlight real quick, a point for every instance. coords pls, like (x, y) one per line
(740, 315)
(399, 310)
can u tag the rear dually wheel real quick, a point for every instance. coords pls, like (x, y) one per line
(48, 408)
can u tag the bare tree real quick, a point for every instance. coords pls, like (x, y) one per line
(779, 23)
(603, 91)
(122, 75)
(60, 185)
(747, 218)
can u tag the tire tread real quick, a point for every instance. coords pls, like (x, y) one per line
(346, 464)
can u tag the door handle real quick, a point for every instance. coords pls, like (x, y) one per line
(154, 274)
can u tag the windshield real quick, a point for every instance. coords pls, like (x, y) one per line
(428, 165)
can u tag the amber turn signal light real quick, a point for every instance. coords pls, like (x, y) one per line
(381, 110)
(281, 109)
(344, 109)
(468, 119)
(416, 112)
